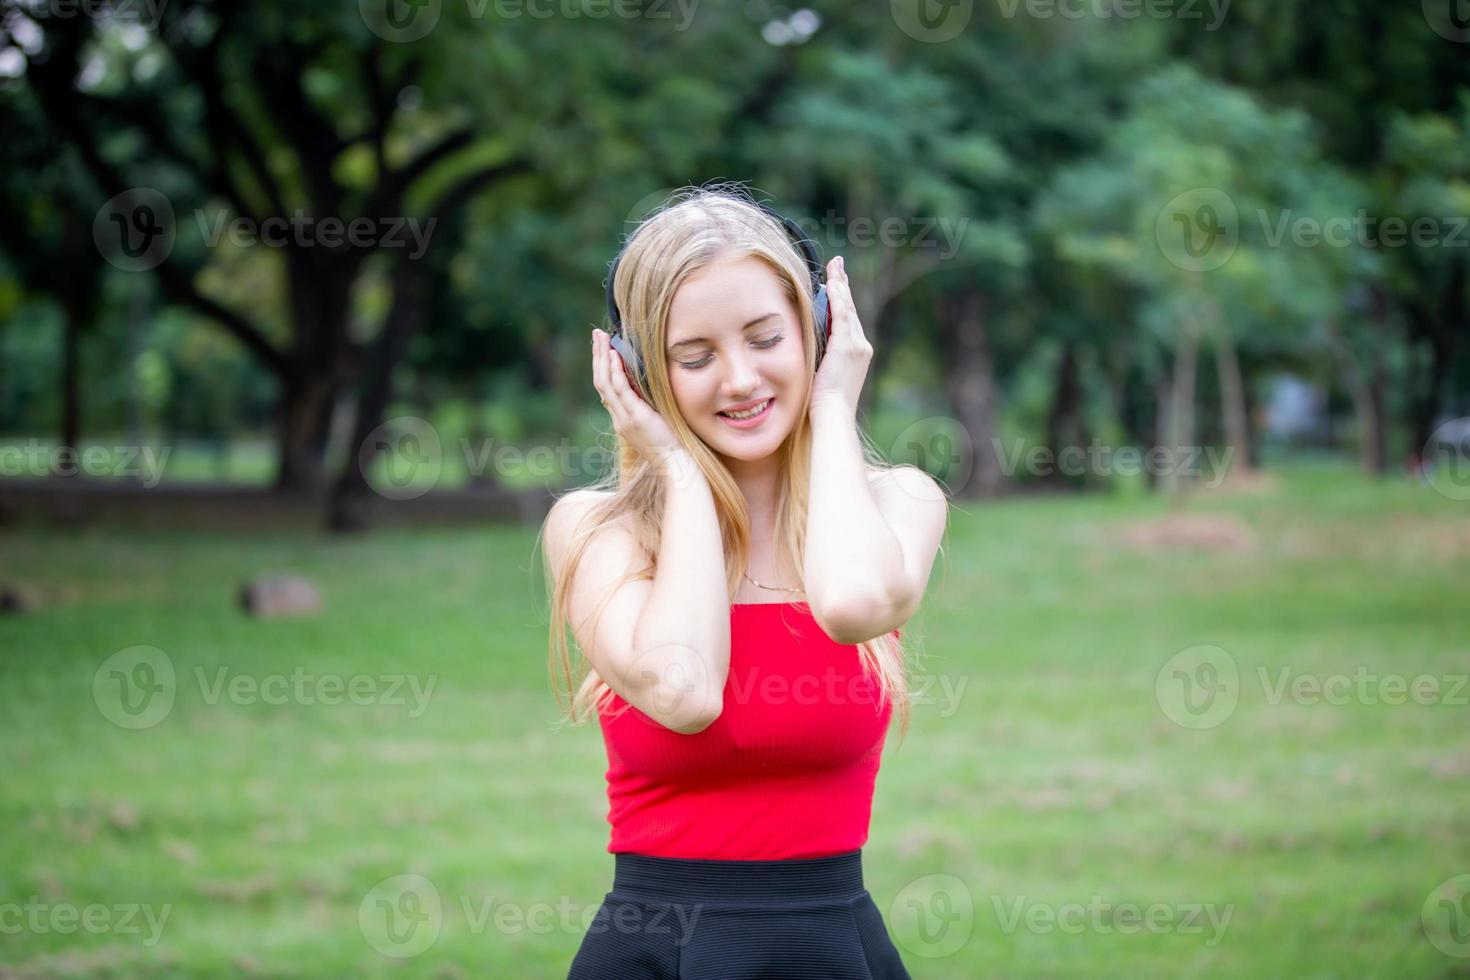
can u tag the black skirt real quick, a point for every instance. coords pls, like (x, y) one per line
(703, 919)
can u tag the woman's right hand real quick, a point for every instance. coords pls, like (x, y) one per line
(634, 419)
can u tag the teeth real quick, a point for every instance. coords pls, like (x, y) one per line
(748, 414)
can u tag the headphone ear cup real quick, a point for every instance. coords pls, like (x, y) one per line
(822, 314)
(632, 366)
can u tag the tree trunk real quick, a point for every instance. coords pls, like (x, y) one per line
(1436, 326)
(321, 362)
(1253, 442)
(1163, 426)
(1064, 425)
(970, 376)
(351, 499)
(1232, 401)
(304, 414)
(71, 392)
(1365, 387)
(1181, 407)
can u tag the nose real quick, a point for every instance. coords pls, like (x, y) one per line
(743, 379)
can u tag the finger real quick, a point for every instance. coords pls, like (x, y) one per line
(844, 310)
(599, 365)
(622, 389)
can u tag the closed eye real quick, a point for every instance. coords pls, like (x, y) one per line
(766, 344)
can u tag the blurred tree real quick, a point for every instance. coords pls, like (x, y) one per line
(283, 110)
(45, 225)
(1388, 82)
(1207, 200)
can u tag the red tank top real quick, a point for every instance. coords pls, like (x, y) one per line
(786, 771)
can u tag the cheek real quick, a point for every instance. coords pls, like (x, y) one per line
(688, 391)
(793, 365)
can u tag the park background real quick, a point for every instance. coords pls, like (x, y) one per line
(1170, 296)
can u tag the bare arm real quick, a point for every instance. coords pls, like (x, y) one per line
(683, 634)
(661, 645)
(854, 564)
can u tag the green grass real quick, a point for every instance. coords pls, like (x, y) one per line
(1057, 785)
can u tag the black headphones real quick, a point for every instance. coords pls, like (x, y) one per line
(821, 309)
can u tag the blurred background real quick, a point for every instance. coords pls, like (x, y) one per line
(1170, 295)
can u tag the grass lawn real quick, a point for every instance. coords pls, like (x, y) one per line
(1069, 800)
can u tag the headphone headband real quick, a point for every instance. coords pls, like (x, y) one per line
(822, 314)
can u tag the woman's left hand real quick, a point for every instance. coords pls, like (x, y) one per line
(844, 366)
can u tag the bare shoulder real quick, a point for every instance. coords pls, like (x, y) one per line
(910, 480)
(569, 514)
(566, 514)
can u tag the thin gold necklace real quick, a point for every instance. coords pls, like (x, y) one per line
(770, 588)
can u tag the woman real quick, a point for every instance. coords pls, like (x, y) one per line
(737, 588)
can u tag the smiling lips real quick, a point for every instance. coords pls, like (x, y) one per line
(750, 415)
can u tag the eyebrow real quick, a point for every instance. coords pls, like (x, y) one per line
(704, 340)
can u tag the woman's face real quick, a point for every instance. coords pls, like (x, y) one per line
(733, 339)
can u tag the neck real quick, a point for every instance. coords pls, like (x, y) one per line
(760, 483)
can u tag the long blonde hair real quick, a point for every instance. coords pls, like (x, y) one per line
(694, 227)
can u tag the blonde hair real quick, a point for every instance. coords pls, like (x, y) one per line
(694, 227)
